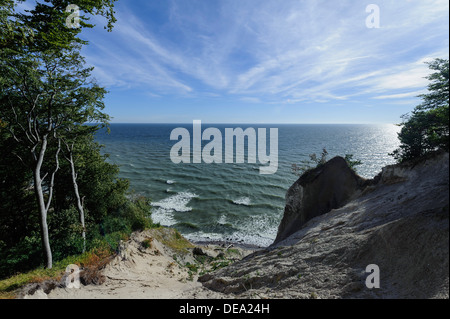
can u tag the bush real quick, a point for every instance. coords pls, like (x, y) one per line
(139, 213)
(316, 162)
(23, 256)
(310, 164)
(134, 215)
(352, 163)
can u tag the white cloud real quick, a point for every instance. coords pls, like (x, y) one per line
(276, 51)
(399, 96)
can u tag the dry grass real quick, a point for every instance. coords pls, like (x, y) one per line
(91, 263)
(172, 239)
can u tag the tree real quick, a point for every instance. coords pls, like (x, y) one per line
(74, 135)
(69, 150)
(426, 129)
(45, 89)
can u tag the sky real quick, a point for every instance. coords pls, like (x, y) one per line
(266, 61)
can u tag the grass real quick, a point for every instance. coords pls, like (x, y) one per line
(233, 251)
(92, 259)
(173, 239)
(147, 243)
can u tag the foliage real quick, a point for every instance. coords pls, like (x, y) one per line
(310, 164)
(46, 91)
(352, 163)
(48, 99)
(426, 129)
(315, 162)
(133, 215)
(25, 254)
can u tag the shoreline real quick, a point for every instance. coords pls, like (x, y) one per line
(228, 244)
(223, 243)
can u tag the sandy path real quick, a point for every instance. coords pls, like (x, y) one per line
(155, 272)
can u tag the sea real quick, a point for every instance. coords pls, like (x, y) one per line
(233, 202)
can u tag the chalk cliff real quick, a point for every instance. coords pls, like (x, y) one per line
(331, 232)
(317, 192)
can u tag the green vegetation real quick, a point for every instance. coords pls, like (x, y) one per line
(174, 240)
(206, 263)
(315, 162)
(59, 197)
(93, 258)
(352, 163)
(147, 243)
(426, 129)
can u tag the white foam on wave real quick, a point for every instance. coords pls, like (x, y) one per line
(254, 230)
(163, 217)
(170, 182)
(246, 201)
(259, 230)
(236, 237)
(177, 202)
(165, 208)
(201, 236)
(222, 220)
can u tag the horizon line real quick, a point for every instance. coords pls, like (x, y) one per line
(246, 123)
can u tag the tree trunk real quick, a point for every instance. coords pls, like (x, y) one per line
(39, 192)
(42, 207)
(77, 195)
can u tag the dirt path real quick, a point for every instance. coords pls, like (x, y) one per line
(155, 264)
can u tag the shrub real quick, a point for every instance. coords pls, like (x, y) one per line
(315, 162)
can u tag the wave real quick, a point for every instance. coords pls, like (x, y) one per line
(165, 209)
(245, 201)
(176, 202)
(187, 226)
(222, 219)
(207, 198)
(269, 206)
(163, 217)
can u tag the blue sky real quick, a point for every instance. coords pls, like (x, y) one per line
(266, 61)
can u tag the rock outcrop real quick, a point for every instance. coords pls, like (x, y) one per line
(317, 192)
(399, 222)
